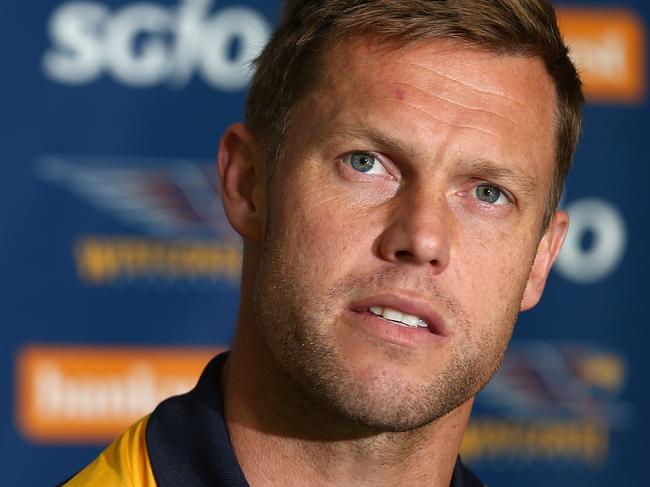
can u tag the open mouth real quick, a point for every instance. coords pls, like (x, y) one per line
(407, 313)
(398, 317)
(403, 321)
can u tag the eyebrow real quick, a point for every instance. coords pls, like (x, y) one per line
(481, 167)
(490, 170)
(375, 138)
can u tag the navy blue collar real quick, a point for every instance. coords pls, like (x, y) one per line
(189, 445)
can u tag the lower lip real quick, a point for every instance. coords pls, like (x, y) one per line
(391, 332)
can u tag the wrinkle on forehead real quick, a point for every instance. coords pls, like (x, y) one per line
(466, 79)
(411, 55)
(456, 123)
(467, 106)
(466, 84)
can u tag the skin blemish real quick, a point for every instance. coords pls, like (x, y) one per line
(399, 94)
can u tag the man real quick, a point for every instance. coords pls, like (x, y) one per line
(395, 185)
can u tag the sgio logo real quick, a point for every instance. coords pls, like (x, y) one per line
(147, 44)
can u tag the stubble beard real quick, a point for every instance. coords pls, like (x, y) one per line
(296, 326)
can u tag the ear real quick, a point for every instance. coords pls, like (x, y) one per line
(242, 175)
(547, 251)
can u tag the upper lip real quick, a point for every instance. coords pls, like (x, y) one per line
(412, 306)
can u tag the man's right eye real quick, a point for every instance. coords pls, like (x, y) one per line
(365, 162)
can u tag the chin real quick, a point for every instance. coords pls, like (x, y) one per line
(387, 401)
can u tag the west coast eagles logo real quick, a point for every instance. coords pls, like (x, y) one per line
(551, 402)
(175, 230)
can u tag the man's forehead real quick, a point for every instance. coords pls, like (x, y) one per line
(356, 75)
(438, 61)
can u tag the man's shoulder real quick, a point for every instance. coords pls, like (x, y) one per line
(125, 462)
(187, 437)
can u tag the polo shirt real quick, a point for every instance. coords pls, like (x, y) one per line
(185, 442)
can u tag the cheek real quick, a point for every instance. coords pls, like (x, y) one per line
(318, 235)
(492, 267)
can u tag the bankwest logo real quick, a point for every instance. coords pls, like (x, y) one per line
(608, 47)
(92, 394)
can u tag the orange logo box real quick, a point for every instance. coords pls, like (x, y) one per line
(608, 47)
(92, 394)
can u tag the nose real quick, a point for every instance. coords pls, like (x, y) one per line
(418, 231)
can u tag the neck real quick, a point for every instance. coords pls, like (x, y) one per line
(280, 436)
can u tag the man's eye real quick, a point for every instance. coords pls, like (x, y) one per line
(365, 163)
(491, 194)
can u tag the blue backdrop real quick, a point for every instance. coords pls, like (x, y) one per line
(112, 234)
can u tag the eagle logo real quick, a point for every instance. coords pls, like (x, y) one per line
(162, 198)
(560, 380)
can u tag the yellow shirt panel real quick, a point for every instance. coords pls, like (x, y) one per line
(124, 463)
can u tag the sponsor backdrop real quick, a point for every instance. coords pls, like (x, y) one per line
(119, 272)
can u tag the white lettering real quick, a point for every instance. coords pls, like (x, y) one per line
(188, 41)
(137, 51)
(48, 390)
(147, 44)
(605, 57)
(609, 235)
(236, 24)
(77, 57)
(91, 397)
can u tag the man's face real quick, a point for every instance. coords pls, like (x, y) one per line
(403, 226)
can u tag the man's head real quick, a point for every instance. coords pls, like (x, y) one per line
(398, 237)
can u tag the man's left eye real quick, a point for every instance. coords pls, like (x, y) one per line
(491, 194)
(365, 163)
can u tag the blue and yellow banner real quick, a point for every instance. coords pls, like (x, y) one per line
(120, 272)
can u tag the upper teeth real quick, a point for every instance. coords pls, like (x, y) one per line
(399, 317)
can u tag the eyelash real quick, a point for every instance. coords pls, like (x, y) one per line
(346, 159)
(506, 194)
